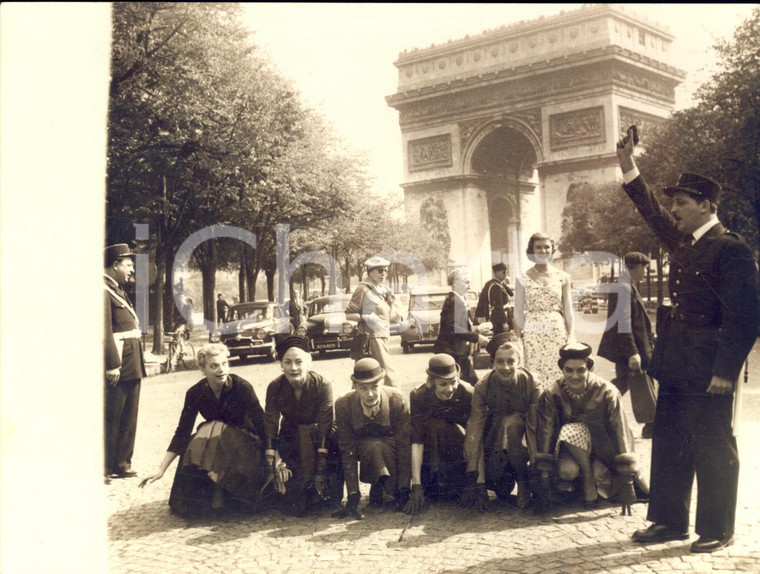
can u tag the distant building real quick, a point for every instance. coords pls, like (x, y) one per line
(499, 126)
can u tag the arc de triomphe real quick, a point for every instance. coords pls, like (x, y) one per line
(499, 126)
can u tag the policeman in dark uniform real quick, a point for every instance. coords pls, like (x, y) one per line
(702, 341)
(493, 300)
(124, 366)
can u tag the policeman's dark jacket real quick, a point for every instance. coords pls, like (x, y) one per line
(715, 313)
(120, 320)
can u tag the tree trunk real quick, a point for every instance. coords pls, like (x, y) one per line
(242, 275)
(660, 294)
(250, 276)
(168, 294)
(269, 274)
(157, 296)
(207, 261)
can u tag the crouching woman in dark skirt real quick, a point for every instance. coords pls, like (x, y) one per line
(300, 424)
(221, 465)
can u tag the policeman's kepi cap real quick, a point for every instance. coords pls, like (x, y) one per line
(376, 261)
(115, 252)
(700, 187)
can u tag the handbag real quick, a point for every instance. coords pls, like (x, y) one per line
(359, 347)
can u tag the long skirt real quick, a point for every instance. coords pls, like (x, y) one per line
(218, 456)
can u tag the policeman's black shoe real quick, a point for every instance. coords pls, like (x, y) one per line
(658, 533)
(705, 544)
(123, 474)
(647, 431)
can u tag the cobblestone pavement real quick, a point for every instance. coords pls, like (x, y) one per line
(144, 537)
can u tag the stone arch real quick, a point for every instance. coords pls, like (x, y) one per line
(488, 129)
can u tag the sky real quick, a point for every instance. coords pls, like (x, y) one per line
(340, 56)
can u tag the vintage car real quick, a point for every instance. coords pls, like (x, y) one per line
(326, 325)
(251, 329)
(425, 304)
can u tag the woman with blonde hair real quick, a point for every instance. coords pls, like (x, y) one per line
(221, 464)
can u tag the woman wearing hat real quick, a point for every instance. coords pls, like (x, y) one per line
(440, 408)
(501, 432)
(373, 306)
(543, 310)
(221, 463)
(581, 424)
(300, 425)
(373, 430)
(457, 333)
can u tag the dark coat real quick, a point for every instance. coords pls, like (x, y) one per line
(494, 296)
(393, 421)
(713, 288)
(425, 405)
(631, 333)
(455, 334)
(237, 406)
(120, 317)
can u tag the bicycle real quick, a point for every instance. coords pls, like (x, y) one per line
(180, 349)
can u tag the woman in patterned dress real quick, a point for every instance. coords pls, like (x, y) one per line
(543, 311)
(581, 424)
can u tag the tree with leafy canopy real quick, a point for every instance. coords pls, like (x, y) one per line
(720, 135)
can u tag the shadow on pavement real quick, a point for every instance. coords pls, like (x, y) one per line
(156, 517)
(593, 557)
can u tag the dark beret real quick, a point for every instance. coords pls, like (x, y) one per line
(289, 342)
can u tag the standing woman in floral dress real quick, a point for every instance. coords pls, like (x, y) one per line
(543, 311)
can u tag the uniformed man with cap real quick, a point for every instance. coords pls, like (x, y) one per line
(373, 306)
(124, 366)
(492, 304)
(440, 408)
(703, 340)
(373, 429)
(628, 341)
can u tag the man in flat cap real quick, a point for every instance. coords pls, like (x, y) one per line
(628, 341)
(702, 341)
(492, 304)
(124, 366)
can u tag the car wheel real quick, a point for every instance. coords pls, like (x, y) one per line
(272, 355)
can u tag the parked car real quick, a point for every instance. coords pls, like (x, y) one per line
(589, 304)
(251, 329)
(326, 326)
(425, 304)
